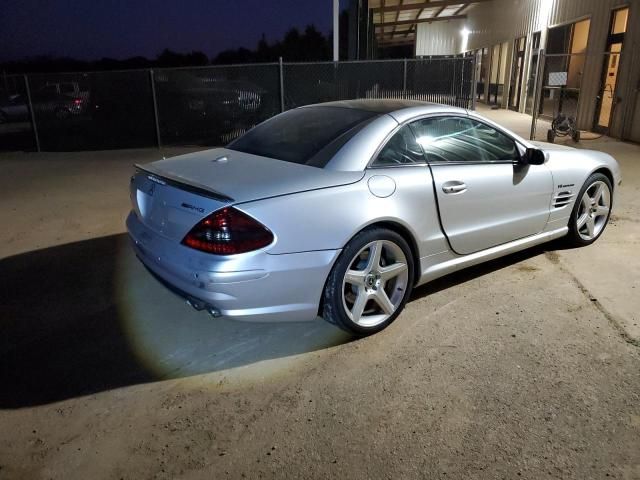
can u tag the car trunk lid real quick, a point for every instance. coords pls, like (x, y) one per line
(171, 195)
(243, 177)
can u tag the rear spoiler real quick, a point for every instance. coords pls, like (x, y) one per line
(165, 178)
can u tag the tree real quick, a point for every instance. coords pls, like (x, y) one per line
(311, 45)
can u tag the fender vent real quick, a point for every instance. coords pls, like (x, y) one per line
(562, 199)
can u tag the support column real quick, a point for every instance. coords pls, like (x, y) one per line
(336, 30)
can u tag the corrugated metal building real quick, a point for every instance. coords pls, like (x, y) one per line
(506, 35)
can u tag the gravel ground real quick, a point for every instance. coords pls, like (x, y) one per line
(525, 367)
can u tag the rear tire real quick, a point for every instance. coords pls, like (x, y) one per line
(591, 211)
(370, 282)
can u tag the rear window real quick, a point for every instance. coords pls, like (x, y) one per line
(303, 135)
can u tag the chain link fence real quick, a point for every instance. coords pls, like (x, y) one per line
(203, 105)
(211, 106)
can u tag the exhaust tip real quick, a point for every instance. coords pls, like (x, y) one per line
(196, 304)
(199, 305)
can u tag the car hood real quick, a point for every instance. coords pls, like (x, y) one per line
(550, 147)
(243, 177)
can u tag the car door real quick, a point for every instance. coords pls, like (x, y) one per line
(485, 196)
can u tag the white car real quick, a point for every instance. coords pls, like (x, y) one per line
(340, 209)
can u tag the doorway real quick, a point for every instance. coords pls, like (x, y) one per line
(606, 100)
(563, 69)
(482, 58)
(497, 73)
(516, 73)
(533, 71)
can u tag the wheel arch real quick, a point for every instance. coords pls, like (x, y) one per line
(607, 173)
(405, 233)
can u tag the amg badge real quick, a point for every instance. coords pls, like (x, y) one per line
(193, 207)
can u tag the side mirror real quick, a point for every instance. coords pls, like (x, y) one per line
(533, 156)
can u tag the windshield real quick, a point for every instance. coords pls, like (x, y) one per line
(303, 134)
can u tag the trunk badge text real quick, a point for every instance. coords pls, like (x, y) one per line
(192, 207)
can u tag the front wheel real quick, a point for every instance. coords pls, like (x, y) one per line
(370, 283)
(591, 211)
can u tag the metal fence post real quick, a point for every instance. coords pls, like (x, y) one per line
(474, 82)
(404, 78)
(33, 114)
(281, 73)
(155, 107)
(537, 89)
(459, 103)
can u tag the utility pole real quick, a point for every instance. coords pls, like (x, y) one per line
(336, 32)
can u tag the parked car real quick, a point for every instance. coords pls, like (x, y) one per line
(69, 88)
(14, 108)
(340, 209)
(204, 109)
(46, 103)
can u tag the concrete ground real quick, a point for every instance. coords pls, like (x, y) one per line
(525, 367)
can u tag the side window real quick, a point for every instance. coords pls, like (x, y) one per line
(401, 149)
(458, 139)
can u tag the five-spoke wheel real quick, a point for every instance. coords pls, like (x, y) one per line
(591, 211)
(375, 283)
(370, 282)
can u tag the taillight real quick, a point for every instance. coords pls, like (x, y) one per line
(77, 101)
(227, 232)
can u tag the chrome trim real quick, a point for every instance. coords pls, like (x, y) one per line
(562, 199)
(478, 162)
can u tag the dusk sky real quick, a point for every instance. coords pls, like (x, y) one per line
(92, 29)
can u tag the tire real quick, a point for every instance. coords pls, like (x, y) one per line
(379, 282)
(3, 118)
(591, 211)
(550, 136)
(576, 136)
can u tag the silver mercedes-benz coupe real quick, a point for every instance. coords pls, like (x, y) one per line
(340, 209)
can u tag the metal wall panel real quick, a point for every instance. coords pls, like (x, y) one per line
(500, 21)
(439, 38)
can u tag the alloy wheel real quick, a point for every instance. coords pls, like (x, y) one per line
(593, 211)
(375, 283)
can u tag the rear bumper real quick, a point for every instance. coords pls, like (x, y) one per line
(254, 287)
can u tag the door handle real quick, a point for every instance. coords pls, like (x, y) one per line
(454, 187)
